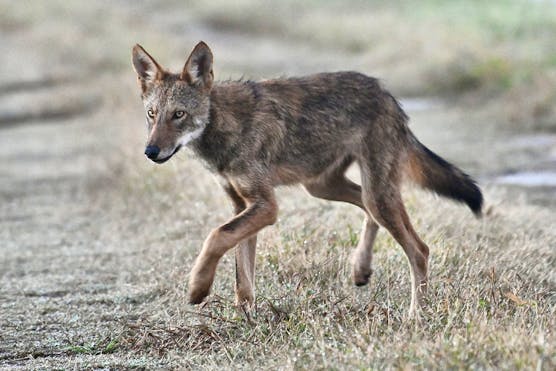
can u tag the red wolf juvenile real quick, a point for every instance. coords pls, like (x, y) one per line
(306, 130)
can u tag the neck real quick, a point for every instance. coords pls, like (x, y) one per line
(232, 105)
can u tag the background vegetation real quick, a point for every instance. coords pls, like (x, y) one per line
(97, 242)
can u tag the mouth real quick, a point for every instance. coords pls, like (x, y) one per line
(163, 160)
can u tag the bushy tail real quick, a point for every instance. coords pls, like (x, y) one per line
(438, 175)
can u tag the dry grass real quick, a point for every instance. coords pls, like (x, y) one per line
(98, 242)
(491, 301)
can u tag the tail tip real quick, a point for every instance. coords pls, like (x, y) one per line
(475, 203)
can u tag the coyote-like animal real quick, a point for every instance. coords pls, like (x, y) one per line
(306, 130)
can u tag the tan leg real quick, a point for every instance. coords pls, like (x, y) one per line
(244, 257)
(245, 272)
(342, 189)
(363, 255)
(421, 260)
(382, 198)
(261, 210)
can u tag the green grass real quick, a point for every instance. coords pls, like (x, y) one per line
(94, 348)
(501, 49)
(516, 34)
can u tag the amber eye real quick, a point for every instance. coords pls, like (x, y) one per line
(179, 114)
(150, 113)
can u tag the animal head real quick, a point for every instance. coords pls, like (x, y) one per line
(176, 105)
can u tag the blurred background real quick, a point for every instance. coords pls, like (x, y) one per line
(84, 215)
(479, 77)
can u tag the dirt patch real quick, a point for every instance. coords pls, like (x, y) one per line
(45, 100)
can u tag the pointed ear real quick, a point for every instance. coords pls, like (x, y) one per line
(146, 67)
(198, 68)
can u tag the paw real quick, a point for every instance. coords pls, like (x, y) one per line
(245, 298)
(414, 315)
(361, 276)
(197, 295)
(199, 285)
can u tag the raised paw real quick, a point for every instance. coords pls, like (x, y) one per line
(361, 276)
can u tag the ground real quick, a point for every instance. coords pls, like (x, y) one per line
(97, 242)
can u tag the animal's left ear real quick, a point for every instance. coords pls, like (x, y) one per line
(198, 68)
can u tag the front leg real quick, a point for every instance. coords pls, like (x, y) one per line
(245, 271)
(245, 256)
(261, 211)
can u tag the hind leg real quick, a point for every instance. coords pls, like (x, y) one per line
(336, 187)
(362, 257)
(381, 197)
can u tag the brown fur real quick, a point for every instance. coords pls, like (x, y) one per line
(307, 130)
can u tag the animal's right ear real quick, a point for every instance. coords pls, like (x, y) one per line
(146, 67)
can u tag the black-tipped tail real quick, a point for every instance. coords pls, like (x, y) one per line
(438, 175)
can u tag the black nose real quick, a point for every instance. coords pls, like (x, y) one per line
(152, 152)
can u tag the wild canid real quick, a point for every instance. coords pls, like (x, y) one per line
(306, 130)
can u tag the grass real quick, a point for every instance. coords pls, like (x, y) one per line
(502, 49)
(491, 299)
(447, 48)
(94, 348)
(123, 268)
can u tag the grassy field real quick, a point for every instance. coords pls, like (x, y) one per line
(97, 242)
